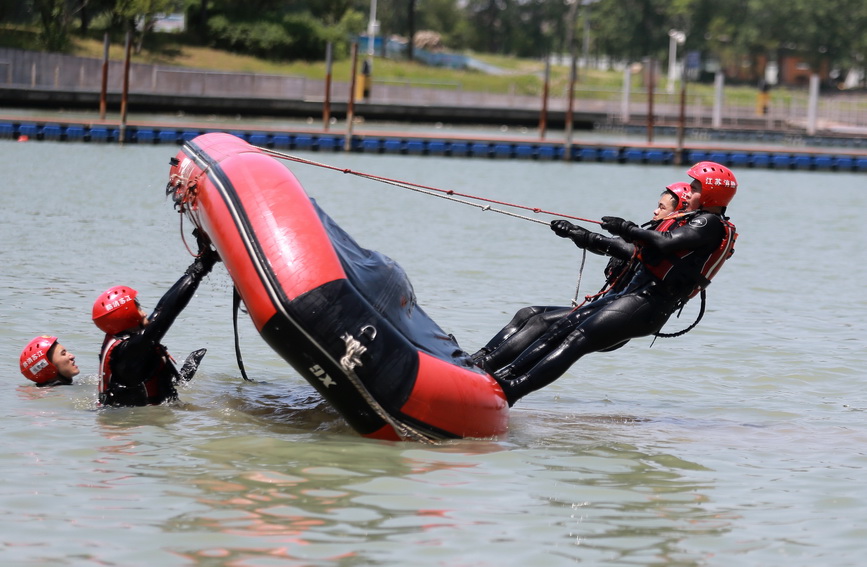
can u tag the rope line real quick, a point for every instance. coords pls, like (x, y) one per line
(447, 194)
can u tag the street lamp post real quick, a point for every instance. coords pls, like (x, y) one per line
(675, 38)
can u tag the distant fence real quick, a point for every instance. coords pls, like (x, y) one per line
(30, 69)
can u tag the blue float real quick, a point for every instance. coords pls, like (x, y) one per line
(480, 149)
(437, 148)
(546, 152)
(720, 157)
(634, 156)
(415, 147)
(75, 133)
(610, 155)
(657, 156)
(29, 130)
(303, 142)
(328, 143)
(843, 163)
(589, 154)
(52, 132)
(371, 145)
(740, 159)
(144, 136)
(502, 150)
(459, 149)
(392, 146)
(524, 151)
(760, 160)
(282, 141)
(823, 162)
(260, 140)
(781, 161)
(696, 156)
(98, 135)
(802, 162)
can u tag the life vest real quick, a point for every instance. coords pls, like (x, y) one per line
(620, 271)
(156, 389)
(664, 269)
(668, 223)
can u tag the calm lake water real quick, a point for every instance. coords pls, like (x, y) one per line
(740, 443)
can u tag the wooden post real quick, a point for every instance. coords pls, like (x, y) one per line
(650, 81)
(681, 123)
(326, 107)
(570, 107)
(125, 94)
(104, 88)
(350, 107)
(543, 116)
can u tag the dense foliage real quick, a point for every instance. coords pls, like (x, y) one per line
(738, 34)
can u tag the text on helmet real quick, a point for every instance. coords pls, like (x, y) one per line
(112, 305)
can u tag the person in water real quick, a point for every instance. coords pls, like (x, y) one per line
(530, 322)
(673, 265)
(47, 362)
(135, 369)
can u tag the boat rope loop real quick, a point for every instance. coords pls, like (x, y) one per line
(236, 305)
(403, 430)
(448, 194)
(352, 359)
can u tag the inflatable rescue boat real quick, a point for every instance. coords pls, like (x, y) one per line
(342, 316)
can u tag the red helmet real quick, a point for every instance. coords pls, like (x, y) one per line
(34, 360)
(718, 183)
(116, 310)
(681, 192)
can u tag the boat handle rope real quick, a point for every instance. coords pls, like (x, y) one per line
(236, 305)
(447, 194)
(403, 430)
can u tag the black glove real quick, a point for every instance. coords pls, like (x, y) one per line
(562, 228)
(565, 229)
(201, 266)
(617, 226)
(207, 254)
(203, 263)
(202, 240)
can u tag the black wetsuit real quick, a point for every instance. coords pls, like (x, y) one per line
(640, 308)
(136, 369)
(529, 323)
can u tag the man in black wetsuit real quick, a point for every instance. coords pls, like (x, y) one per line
(134, 368)
(529, 323)
(674, 266)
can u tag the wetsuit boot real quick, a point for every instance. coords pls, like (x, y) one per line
(523, 376)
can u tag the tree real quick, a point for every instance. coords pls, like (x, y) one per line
(55, 19)
(630, 30)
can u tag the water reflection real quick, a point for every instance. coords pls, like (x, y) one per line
(305, 498)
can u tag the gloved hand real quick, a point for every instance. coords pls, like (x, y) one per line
(617, 226)
(206, 258)
(206, 252)
(565, 229)
(562, 228)
(202, 240)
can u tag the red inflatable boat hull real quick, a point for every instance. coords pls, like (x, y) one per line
(297, 274)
